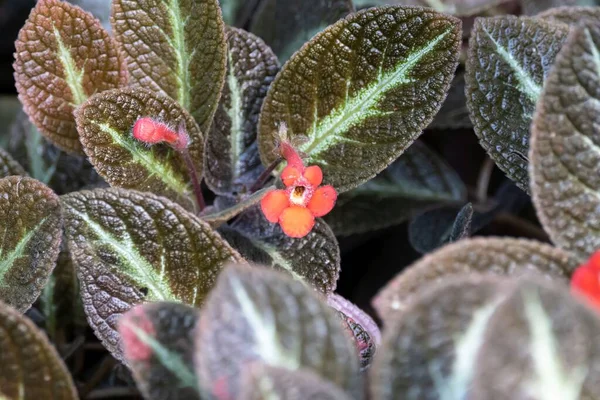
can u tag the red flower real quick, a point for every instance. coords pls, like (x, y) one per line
(586, 280)
(296, 207)
(150, 131)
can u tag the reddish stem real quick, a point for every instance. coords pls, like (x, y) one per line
(264, 177)
(194, 177)
(291, 155)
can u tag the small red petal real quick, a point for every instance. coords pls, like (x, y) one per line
(150, 131)
(273, 204)
(594, 261)
(322, 201)
(314, 175)
(134, 348)
(296, 221)
(290, 175)
(585, 283)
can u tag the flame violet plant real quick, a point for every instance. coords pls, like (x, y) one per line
(178, 185)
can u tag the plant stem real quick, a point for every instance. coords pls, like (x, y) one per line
(264, 177)
(194, 177)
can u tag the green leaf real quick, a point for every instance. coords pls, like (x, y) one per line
(228, 208)
(105, 124)
(417, 181)
(571, 15)
(363, 90)
(565, 147)
(30, 224)
(158, 343)
(31, 369)
(232, 160)
(237, 12)
(8, 166)
(258, 315)
(509, 57)
(62, 57)
(429, 350)
(131, 247)
(454, 113)
(176, 48)
(511, 257)
(263, 382)
(313, 260)
(287, 25)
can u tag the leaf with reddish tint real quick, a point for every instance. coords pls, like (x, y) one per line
(63, 56)
(258, 315)
(30, 225)
(131, 247)
(158, 345)
(31, 369)
(105, 124)
(501, 256)
(232, 160)
(175, 48)
(8, 166)
(313, 259)
(460, 8)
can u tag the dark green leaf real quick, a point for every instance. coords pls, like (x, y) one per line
(417, 181)
(263, 382)
(30, 218)
(572, 15)
(509, 57)
(512, 257)
(8, 166)
(62, 57)
(287, 25)
(131, 247)
(232, 160)
(363, 90)
(237, 12)
(230, 207)
(454, 113)
(256, 314)
(176, 48)
(31, 369)
(105, 122)
(158, 344)
(313, 259)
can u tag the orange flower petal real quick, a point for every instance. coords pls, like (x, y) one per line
(585, 283)
(273, 204)
(296, 221)
(594, 261)
(314, 175)
(289, 175)
(322, 201)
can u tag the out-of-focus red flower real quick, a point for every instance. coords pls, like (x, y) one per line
(586, 280)
(150, 131)
(296, 207)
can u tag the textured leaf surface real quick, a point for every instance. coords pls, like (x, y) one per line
(8, 166)
(255, 314)
(158, 341)
(263, 382)
(31, 369)
(30, 222)
(512, 257)
(363, 90)
(572, 15)
(287, 25)
(435, 228)
(565, 149)
(313, 259)
(429, 351)
(509, 58)
(532, 7)
(176, 48)
(232, 159)
(226, 208)
(131, 247)
(62, 57)
(99, 9)
(105, 122)
(461, 8)
(417, 181)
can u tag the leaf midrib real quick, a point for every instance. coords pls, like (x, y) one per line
(179, 46)
(234, 112)
(7, 261)
(73, 75)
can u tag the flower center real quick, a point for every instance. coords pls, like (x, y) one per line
(298, 194)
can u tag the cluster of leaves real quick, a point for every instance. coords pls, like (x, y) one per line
(80, 197)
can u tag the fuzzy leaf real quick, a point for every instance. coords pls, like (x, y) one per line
(509, 58)
(158, 343)
(62, 57)
(363, 90)
(571, 15)
(105, 123)
(255, 314)
(460, 8)
(232, 208)
(131, 247)
(565, 148)
(429, 350)
(263, 382)
(287, 25)
(8, 166)
(232, 160)
(454, 113)
(417, 181)
(31, 369)
(512, 257)
(30, 218)
(176, 48)
(313, 259)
